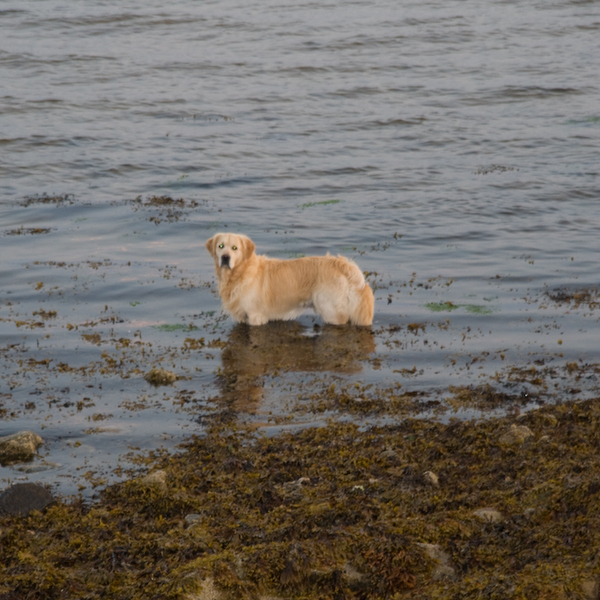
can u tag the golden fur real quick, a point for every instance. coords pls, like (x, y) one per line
(256, 289)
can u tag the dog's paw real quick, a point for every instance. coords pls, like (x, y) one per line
(257, 320)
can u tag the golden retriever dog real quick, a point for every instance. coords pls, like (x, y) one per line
(256, 289)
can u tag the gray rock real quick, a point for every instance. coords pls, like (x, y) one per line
(22, 498)
(19, 446)
(192, 519)
(490, 515)
(352, 574)
(296, 484)
(443, 568)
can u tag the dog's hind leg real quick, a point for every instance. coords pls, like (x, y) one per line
(332, 311)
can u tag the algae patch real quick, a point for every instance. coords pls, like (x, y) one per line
(475, 309)
(170, 328)
(321, 203)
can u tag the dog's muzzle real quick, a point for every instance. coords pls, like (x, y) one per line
(225, 261)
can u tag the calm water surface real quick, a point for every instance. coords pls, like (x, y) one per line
(450, 148)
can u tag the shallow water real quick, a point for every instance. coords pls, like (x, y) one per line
(450, 148)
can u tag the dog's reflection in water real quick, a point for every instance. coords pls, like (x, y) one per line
(251, 353)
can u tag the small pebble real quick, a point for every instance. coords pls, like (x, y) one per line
(431, 478)
(191, 519)
(491, 515)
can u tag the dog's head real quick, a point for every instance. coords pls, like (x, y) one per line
(230, 249)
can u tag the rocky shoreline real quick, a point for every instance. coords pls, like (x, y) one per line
(506, 507)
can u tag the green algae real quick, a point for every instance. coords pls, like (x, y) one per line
(442, 306)
(170, 328)
(591, 119)
(334, 512)
(478, 309)
(321, 203)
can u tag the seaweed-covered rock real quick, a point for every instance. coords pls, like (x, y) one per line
(19, 446)
(516, 435)
(390, 456)
(22, 498)
(157, 480)
(157, 376)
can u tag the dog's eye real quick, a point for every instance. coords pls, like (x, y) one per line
(221, 245)
(234, 247)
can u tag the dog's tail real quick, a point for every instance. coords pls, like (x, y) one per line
(361, 300)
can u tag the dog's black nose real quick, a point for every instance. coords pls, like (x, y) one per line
(225, 260)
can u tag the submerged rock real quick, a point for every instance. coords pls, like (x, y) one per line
(22, 498)
(19, 446)
(38, 467)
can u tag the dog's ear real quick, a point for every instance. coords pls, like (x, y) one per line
(210, 245)
(248, 246)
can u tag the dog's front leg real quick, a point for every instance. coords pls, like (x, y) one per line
(257, 319)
